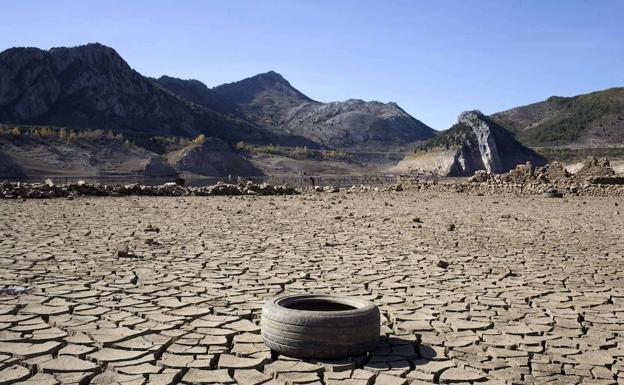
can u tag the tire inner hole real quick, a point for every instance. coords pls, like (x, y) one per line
(319, 305)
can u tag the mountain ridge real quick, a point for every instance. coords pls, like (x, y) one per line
(595, 118)
(92, 87)
(269, 100)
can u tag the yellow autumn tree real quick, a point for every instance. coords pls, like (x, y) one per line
(199, 139)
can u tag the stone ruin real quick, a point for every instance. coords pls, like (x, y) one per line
(553, 172)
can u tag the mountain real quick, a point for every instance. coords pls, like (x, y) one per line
(75, 100)
(272, 102)
(592, 119)
(262, 98)
(474, 143)
(354, 124)
(92, 87)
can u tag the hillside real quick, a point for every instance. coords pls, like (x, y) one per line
(594, 119)
(355, 124)
(196, 92)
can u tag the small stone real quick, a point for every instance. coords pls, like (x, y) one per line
(123, 250)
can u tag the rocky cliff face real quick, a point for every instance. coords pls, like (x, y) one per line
(474, 143)
(92, 87)
(498, 150)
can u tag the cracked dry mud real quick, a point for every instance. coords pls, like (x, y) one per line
(532, 292)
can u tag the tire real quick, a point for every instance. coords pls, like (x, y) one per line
(348, 327)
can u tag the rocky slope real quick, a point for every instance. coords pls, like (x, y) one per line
(196, 92)
(355, 124)
(272, 102)
(262, 98)
(474, 143)
(92, 87)
(593, 119)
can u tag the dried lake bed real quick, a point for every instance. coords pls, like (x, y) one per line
(162, 290)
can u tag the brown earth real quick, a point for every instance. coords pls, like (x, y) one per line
(533, 292)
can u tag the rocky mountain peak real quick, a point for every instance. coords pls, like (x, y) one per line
(471, 117)
(270, 76)
(165, 79)
(92, 87)
(261, 98)
(93, 55)
(498, 149)
(269, 82)
(474, 143)
(486, 134)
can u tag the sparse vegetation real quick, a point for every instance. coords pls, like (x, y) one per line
(564, 154)
(298, 152)
(454, 137)
(51, 133)
(567, 120)
(199, 139)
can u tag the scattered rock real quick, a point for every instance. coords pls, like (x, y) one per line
(19, 190)
(123, 250)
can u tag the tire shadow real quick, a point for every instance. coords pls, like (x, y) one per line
(400, 353)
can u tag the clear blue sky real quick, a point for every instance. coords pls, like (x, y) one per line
(434, 58)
